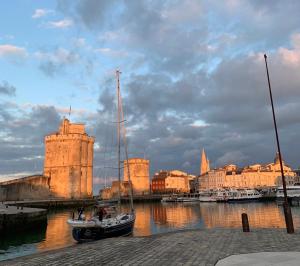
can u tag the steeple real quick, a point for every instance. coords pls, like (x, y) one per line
(276, 160)
(204, 167)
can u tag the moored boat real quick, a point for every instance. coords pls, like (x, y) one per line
(95, 229)
(207, 196)
(292, 192)
(238, 195)
(170, 198)
(105, 222)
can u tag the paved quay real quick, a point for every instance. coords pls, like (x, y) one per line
(189, 247)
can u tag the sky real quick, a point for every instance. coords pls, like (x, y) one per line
(193, 77)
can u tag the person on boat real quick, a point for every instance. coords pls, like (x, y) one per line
(80, 213)
(101, 213)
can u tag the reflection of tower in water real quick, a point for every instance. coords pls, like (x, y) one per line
(57, 233)
(261, 215)
(143, 219)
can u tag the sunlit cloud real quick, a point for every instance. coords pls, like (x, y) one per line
(111, 52)
(38, 13)
(60, 24)
(12, 50)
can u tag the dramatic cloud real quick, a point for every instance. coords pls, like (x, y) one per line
(7, 89)
(22, 141)
(54, 62)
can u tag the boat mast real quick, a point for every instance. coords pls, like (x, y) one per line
(119, 136)
(122, 120)
(126, 156)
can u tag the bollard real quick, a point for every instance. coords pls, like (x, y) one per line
(73, 215)
(245, 222)
(6, 206)
(21, 207)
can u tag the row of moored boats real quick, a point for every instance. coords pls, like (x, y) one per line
(230, 195)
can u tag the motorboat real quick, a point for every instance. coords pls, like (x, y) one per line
(292, 192)
(207, 196)
(170, 198)
(246, 194)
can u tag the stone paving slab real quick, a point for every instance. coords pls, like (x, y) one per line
(189, 247)
(262, 259)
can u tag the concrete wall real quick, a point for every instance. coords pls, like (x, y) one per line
(31, 187)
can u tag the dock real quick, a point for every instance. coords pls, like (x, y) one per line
(53, 203)
(21, 218)
(188, 247)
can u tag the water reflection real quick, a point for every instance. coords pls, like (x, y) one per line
(261, 215)
(58, 231)
(152, 218)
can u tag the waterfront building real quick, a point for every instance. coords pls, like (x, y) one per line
(69, 161)
(171, 181)
(252, 176)
(139, 175)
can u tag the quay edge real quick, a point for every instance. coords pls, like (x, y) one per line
(14, 219)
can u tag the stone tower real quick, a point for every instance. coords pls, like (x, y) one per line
(69, 161)
(139, 175)
(204, 166)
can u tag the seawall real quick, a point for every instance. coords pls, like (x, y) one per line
(14, 218)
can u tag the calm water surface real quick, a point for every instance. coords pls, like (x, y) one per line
(151, 218)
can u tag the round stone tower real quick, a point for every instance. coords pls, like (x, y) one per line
(139, 175)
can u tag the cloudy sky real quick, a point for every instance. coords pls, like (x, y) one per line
(193, 77)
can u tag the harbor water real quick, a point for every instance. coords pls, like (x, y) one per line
(151, 218)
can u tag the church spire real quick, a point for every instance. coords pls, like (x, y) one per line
(204, 167)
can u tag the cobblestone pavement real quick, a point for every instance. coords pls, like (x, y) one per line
(191, 247)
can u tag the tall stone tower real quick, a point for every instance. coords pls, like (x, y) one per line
(204, 166)
(69, 161)
(139, 175)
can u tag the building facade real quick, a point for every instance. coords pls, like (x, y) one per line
(139, 175)
(69, 161)
(252, 176)
(170, 182)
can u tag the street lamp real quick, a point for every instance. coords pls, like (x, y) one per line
(286, 206)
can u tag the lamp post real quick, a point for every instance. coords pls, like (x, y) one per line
(286, 206)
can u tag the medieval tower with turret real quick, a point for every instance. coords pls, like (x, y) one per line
(69, 161)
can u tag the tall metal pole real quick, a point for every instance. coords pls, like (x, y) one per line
(119, 136)
(286, 207)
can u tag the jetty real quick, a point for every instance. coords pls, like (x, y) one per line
(20, 218)
(52, 203)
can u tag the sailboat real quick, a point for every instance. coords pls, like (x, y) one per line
(121, 224)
